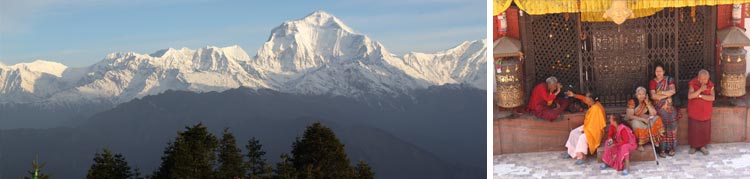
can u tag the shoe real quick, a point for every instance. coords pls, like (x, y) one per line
(579, 162)
(671, 153)
(625, 172)
(692, 151)
(603, 166)
(566, 156)
(704, 150)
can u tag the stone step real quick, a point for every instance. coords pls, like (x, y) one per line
(525, 133)
(528, 134)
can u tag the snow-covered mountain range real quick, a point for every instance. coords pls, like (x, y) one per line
(317, 54)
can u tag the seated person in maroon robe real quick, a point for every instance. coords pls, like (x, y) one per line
(544, 102)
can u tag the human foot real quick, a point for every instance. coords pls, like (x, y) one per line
(704, 150)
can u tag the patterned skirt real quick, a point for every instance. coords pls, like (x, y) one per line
(670, 119)
(640, 129)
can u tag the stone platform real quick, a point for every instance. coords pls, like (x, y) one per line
(526, 133)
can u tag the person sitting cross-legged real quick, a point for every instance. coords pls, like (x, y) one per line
(544, 102)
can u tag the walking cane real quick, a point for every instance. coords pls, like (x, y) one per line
(656, 157)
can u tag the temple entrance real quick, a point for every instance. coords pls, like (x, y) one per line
(613, 60)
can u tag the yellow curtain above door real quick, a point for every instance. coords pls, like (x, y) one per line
(592, 10)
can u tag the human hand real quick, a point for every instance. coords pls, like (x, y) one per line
(668, 107)
(570, 93)
(644, 120)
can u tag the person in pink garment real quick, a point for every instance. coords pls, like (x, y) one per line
(620, 142)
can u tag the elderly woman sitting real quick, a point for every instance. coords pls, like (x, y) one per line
(643, 117)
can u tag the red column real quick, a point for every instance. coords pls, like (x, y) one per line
(511, 15)
(513, 31)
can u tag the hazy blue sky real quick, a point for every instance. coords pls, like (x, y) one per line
(81, 32)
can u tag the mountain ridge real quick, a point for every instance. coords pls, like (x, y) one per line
(317, 54)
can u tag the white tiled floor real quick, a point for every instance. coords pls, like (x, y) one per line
(725, 161)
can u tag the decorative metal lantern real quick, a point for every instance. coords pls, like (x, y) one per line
(509, 72)
(733, 72)
(733, 40)
(509, 83)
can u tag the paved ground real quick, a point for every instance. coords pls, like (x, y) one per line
(725, 161)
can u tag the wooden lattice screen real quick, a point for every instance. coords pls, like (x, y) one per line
(613, 60)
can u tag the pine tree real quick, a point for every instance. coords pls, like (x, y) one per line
(137, 174)
(285, 168)
(191, 155)
(364, 171)
(320, 154)
(108, 166)
(36, 170)
(257, 165)
(167, 164)
(230, 158)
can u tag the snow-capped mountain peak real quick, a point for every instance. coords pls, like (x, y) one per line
(315, 40)
(24, 82)
(324, 19)
(317, 54)
(41, 66)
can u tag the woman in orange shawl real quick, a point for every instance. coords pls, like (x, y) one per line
(641, 115)
(579, 144)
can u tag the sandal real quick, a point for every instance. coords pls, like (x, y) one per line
(579, 162)
(671, 153)
(566, 156)
(603, 166)
(704, 150)
(625, 172)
